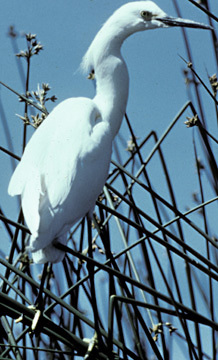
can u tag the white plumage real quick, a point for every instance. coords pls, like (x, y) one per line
(66, 162)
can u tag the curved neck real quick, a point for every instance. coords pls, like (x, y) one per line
(112, 87)
(111, 74)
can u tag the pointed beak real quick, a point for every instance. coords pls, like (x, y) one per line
(171, 21)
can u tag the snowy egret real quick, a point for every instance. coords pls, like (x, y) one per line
(66, 162)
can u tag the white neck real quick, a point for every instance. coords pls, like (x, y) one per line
(112, 87)
(111, 74)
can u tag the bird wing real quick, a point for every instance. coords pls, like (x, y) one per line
(46, 171)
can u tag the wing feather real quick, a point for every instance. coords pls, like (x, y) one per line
(55, 161)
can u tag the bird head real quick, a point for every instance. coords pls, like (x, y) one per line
(145, 15)
(128, 19)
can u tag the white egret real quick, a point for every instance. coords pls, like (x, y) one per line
(66, 162)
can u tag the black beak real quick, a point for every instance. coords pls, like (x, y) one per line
(171, 21)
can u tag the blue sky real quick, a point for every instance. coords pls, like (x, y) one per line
(157, 90)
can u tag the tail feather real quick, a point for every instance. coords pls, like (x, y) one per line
(49, 253)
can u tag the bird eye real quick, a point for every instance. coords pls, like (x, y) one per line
(147, 15)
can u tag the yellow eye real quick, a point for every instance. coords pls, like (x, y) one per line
(147, 15)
